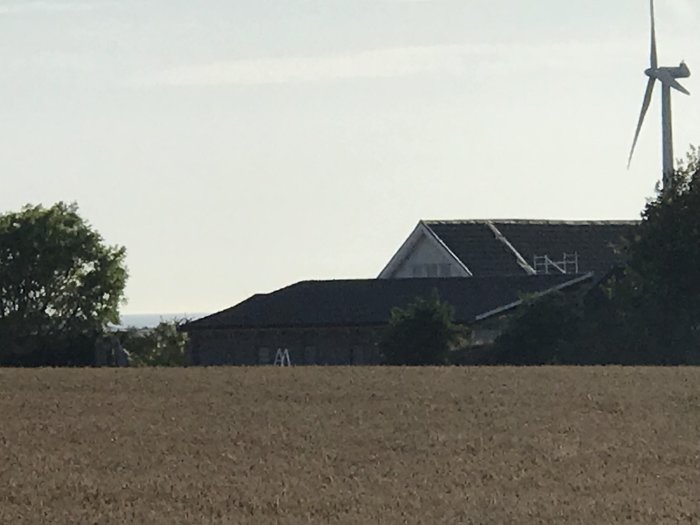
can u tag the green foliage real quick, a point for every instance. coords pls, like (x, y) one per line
(664, 258)
(422, 333)
(60, 285)
(163, 345)
(541, 331)
(660, 292)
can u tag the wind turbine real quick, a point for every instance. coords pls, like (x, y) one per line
(667, 76)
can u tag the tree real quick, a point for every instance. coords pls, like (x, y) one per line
(660, 291)
(422, 333)
(541, 331)
(163, 345)
(648, 313)
(60, 286)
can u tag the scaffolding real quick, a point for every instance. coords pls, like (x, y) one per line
(568, 264)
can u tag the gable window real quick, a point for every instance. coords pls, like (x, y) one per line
(431, 270)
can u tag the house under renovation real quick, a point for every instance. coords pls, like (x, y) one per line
(482, 268)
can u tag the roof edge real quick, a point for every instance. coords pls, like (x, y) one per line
(631, 222)
(517, 303)
(444, 246)
(310, 326)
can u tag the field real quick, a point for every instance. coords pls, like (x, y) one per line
(351, 445)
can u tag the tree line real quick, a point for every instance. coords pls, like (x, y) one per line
(61, 287)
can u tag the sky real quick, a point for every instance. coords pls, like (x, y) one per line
(239, 146)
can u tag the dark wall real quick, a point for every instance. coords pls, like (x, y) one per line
(306, 346)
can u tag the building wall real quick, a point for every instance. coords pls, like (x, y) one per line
(427, 260)
(306, 346)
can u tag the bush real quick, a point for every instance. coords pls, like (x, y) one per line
(421, 333)
(163, 345)
(541, 332)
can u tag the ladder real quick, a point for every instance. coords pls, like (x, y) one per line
(282, 358)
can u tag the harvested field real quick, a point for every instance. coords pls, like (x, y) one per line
(350, 445)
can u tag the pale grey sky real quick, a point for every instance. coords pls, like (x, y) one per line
(237, 146)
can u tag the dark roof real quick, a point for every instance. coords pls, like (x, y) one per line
(369, 302)
(476, 245)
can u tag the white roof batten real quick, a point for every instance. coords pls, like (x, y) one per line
(512, 305)
(521, 261)
(444, 246)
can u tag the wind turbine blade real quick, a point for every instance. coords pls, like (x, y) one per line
(654, 60)
(675, 84)
(667, 79)
(645, 107)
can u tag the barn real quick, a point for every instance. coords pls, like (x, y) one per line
(482, 268)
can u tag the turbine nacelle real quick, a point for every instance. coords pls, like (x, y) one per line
(668, 75)
(682, 71)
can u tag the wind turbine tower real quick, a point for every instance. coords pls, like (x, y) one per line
(668, 77)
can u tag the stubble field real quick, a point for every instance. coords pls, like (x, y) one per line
(350, 445)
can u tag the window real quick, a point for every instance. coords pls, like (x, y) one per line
(310, 355)
(431, 270)
(264, 355)
(194, 353)
(357, 356)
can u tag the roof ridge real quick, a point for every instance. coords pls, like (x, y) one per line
(532, 221)
(388, 282)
